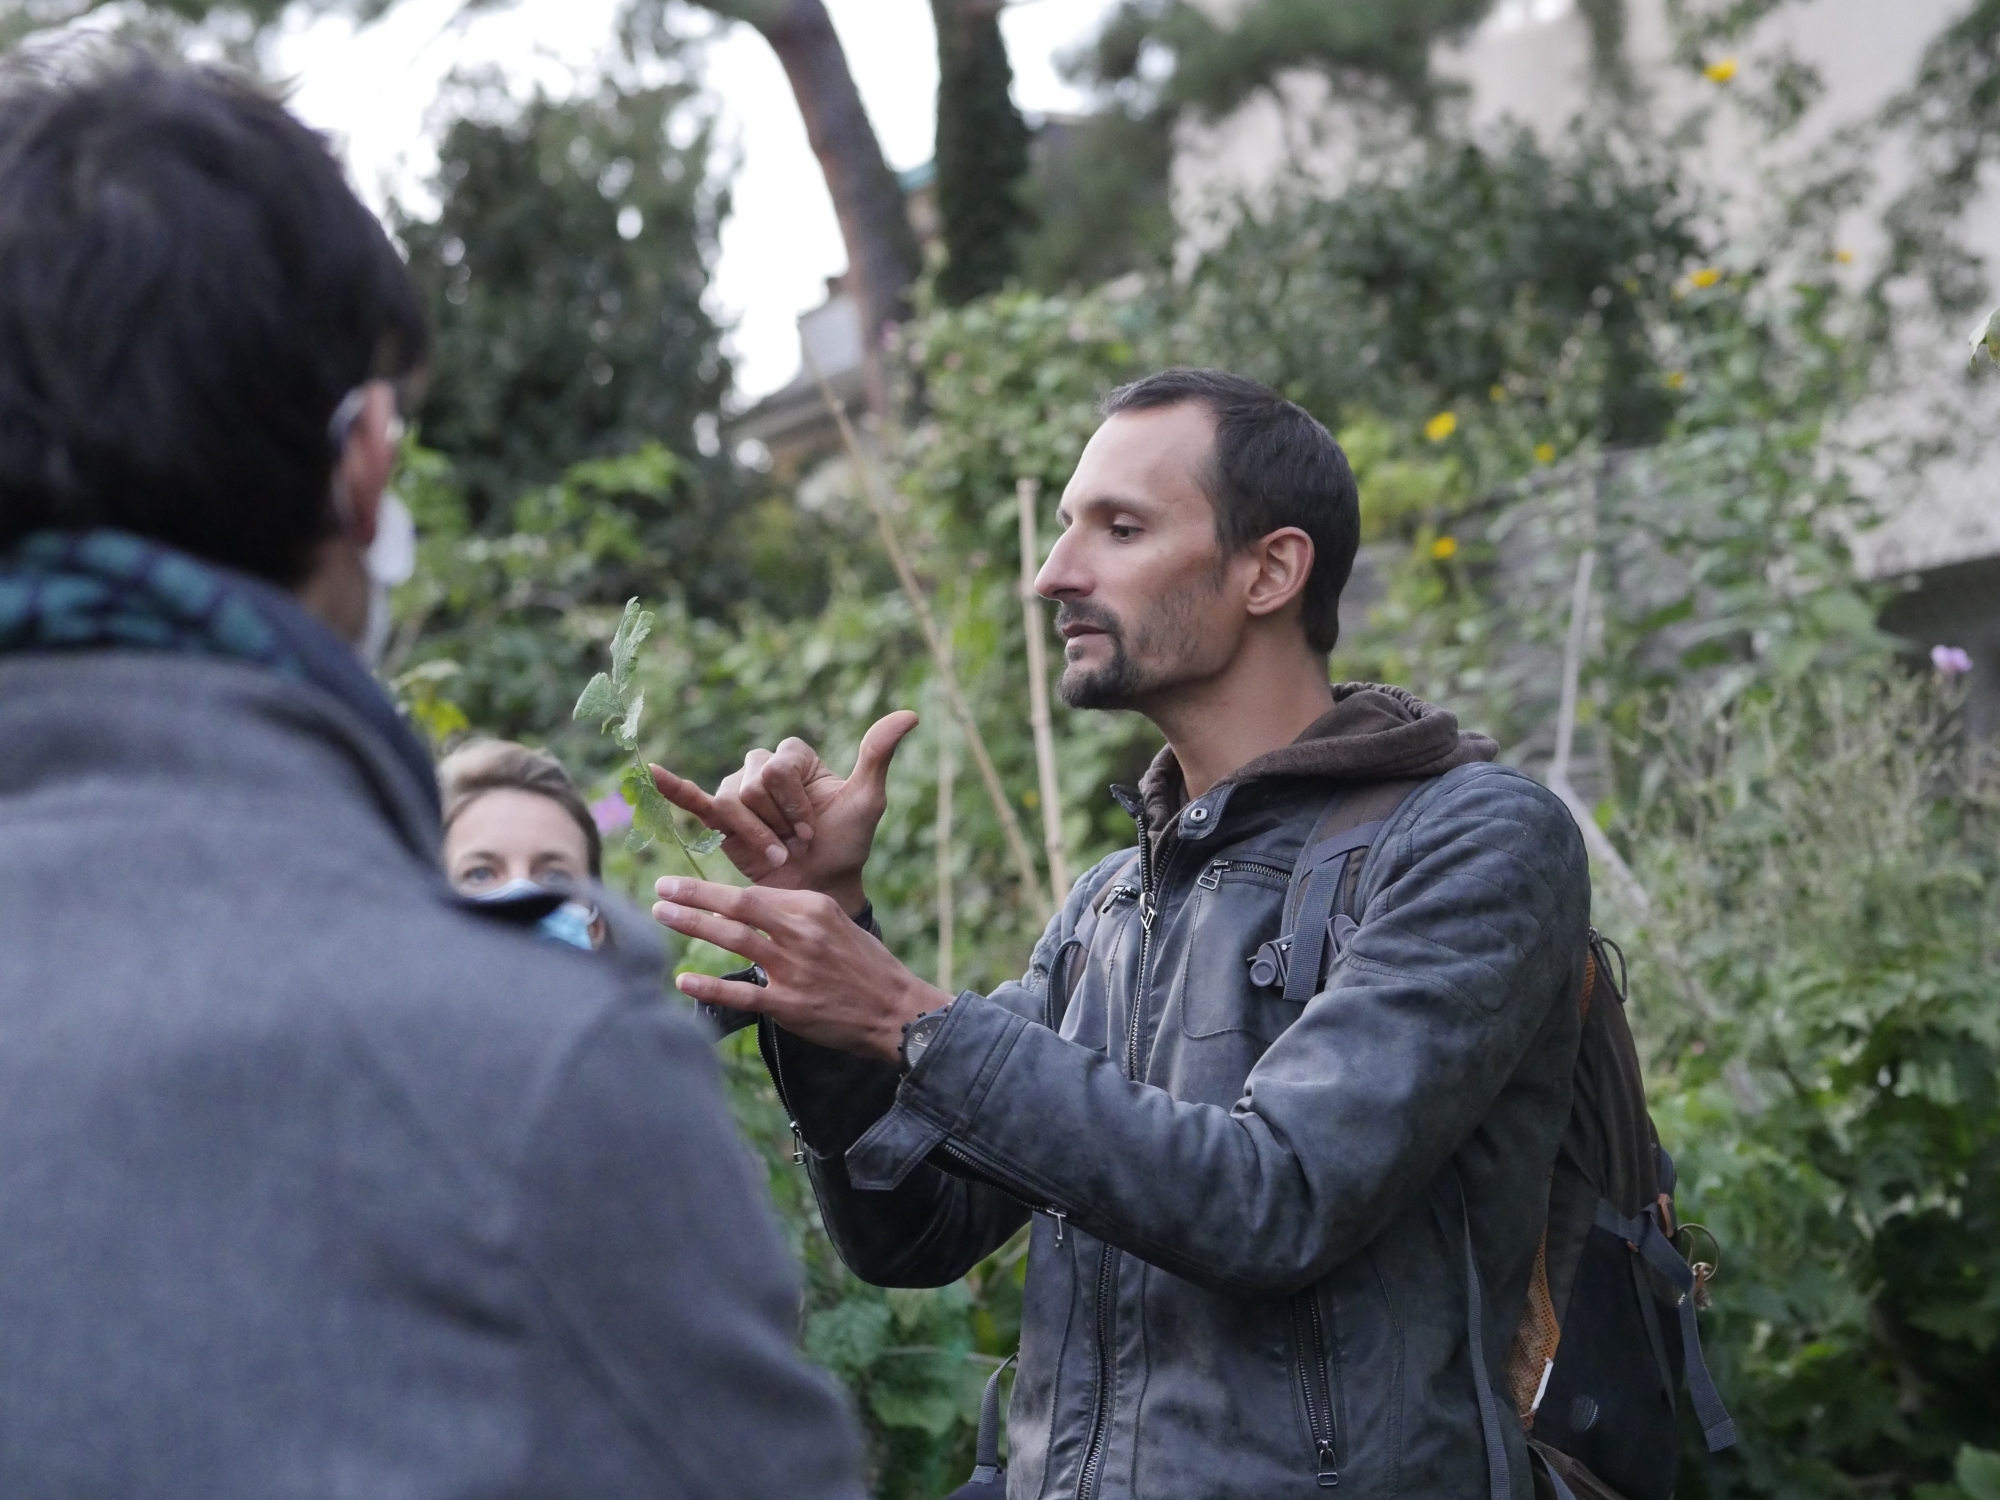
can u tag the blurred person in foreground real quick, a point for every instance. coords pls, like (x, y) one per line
(518, 834)
(313, 1182)
(1256, 1191)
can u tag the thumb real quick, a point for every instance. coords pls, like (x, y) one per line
(878, 748)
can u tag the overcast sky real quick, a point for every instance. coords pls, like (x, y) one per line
(373, 88)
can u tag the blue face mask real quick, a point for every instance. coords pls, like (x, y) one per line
(568, 923)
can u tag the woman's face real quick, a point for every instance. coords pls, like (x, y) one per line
(506, 835)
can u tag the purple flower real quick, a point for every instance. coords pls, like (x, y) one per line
(611, 813)
(1951, 661)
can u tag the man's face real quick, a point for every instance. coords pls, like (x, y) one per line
(1138, 574)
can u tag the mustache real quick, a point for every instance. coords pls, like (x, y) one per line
(1094, 616)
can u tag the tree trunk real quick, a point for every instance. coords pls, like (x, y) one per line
(881, 249)
(982, 151)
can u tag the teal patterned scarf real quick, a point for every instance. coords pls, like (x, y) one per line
(104, 589)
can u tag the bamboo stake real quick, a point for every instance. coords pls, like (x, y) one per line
(947, 901)
(1017, 846)
(1603, 853)
(1029, 491)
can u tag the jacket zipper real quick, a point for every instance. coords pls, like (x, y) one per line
(1100, 1421)
(1310, 1332)
(1149, 910)
(768, 1046)
(1107, 1262)
(1211, 878)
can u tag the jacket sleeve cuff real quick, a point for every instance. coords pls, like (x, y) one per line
(944, 1090)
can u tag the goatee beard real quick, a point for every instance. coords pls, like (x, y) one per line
(1113, 685)
(1110, 686)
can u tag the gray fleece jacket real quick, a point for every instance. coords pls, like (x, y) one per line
(313, 1185)
(1247, 1273)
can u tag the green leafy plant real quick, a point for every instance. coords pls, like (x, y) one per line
(616, 704)
(1976, 1476)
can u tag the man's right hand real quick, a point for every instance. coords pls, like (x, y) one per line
(788, 823)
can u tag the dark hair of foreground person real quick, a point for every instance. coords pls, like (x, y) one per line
(187, 290)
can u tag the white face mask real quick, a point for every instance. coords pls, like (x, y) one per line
(391, 559)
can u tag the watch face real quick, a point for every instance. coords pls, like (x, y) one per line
(921, 1031)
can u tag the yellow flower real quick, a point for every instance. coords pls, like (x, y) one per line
(1545, 453)
(1721, 70)
(1845, 257)
(1444, 547)
(1498, 392)
(1441, 426)
(1676, 379)
(1707, 276)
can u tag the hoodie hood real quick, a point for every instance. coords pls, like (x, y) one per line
(1373, 732)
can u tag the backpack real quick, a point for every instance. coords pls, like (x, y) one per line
(1608, 1335)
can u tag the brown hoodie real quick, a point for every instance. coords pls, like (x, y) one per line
(1373, 732)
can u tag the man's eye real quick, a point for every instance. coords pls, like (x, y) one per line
(1123, 533)
(476, 875)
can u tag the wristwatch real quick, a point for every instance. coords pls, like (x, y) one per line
(917, 1035)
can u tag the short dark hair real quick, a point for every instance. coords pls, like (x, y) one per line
(1273, 466)
(188, 289)
(501, 765)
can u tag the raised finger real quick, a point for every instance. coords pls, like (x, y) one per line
(751, 905)
(725, 933)
(684, 794)
(745, 832)
(745, 839)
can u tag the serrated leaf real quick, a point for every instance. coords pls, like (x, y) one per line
(652, 814)
(599, 704)
(637, 840)
(627, 733)
(633, 628)
(708, 843)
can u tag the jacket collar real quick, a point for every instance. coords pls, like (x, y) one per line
(1373, 732)
(139, 720)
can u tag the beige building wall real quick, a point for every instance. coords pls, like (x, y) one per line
(1529, 64)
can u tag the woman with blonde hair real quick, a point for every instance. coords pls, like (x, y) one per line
(517, 830)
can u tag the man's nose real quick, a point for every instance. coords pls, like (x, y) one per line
(1061, 577)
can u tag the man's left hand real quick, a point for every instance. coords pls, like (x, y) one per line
(830, 982)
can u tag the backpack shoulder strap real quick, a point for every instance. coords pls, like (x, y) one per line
(1327, 875)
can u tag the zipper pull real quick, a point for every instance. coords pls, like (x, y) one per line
(1149, 908)
(798, 1145)
(1058, 1215)
(1211, 878)
(1329, 1476)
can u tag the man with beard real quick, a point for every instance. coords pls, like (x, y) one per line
(1286, 1198)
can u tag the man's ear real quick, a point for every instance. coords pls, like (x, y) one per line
(367, 462)
(1284, 562)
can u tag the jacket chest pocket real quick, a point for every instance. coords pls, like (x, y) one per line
(1237, 905)
(1085, 979)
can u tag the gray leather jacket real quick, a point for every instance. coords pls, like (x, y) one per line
(1247, 1271)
